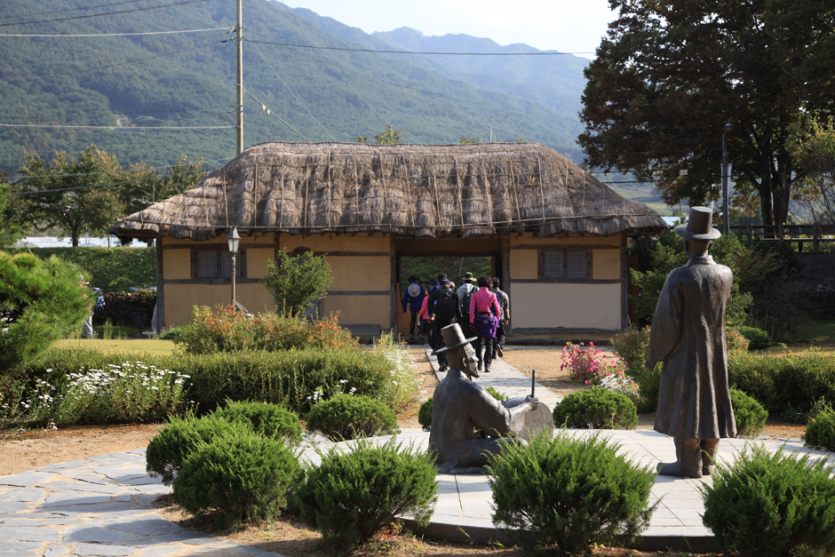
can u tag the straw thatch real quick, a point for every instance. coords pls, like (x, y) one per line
(406, 190)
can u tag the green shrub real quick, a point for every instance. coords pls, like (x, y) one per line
(267, 419)
(569, 492)
(820, 433)
(766, 505)
(425, 415)
(293, 379)
(227, 330)
(238, 477)
(750, 414)
(174, 333)
(352, 495)
(296, 282)
(596, 408)
(289, 378)
(180, 437)
(735, 341)
(112, 270)
(757, 338)
(349, 417)
(40, 301)
(791, 383)
(496, 394)
(120, 307)
(631, 346)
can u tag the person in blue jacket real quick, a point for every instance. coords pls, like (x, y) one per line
(413, 297)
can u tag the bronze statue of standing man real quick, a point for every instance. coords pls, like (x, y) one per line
(688, 335)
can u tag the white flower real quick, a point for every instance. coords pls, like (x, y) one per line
(49, 370)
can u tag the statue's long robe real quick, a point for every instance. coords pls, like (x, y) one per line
(688, 335)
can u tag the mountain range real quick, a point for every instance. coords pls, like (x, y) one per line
(306, 77)
(187, 79)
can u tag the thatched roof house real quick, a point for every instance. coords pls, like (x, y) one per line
(401, 200)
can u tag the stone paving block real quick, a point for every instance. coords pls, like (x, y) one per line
(35, 522)
(150, 526)
(8, 508)
(119, 458)
(86, 476)
(144, 480)
(70, 465)
(160, 551)
(146, 500)
(19, 549)
(95, 533)
(85, 487)
(104, 510)
(122, 474)
(103, 550)
(25, 479)
(64, 500)
(55, 551)
(29, 534)
(22, 495)
(140, 452)
(190, 538)
(156, 489)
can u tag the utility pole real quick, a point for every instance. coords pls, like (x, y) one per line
(726, 199)
(240, 79)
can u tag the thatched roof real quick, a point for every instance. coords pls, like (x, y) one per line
(406, 190)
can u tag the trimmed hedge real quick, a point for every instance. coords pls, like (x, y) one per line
(784, 384)
(820, 433)
(348, 417)
(119, 308)
(238, 477)
(569, 492)
(597, 408)
(766, 505)
(354, 494)
(288, 378)
(269, 420)
(750, 414)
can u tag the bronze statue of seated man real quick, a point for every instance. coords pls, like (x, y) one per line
(468, 424)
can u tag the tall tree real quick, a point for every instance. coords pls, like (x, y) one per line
(813, 146)
(75, 195)
(146, 184)
(671, 73)
(9, 232)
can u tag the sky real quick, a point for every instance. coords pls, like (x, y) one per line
(574, 26)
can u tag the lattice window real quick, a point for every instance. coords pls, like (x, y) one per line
(206, 264)
(565, 264)
(552, 264)
(217, 264)
(576, 265)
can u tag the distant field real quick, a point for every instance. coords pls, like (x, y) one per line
(645, 194)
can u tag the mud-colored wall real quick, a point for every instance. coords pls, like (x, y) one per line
(606, 264)
(567, 305)
(179, 299)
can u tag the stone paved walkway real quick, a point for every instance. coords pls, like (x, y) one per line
(103, 506)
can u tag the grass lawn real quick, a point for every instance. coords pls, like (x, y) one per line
(817, 332)
(133, 345)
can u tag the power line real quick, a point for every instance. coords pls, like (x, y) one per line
(122, 34)
(412, 52)
(269, 111)
(117, 128)
(108, 13)
(285, 85)
(71, 9)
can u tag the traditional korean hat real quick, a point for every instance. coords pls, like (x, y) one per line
(453, 338)
(699, 225)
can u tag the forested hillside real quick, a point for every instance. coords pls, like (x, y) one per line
(187, 80)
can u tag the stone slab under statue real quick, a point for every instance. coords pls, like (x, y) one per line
(688, 335)
(468, 424)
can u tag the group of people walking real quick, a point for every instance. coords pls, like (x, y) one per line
(481, 310)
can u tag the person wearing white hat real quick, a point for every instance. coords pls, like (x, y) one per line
(413, 298)
(688, 335)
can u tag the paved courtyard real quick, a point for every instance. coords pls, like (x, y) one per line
(103, 506)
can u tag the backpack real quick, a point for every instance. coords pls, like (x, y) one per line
(465, 304)
(445, 305)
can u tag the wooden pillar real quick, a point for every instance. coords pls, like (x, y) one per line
(160, 285)
(505, 245)
(393, 284)
(624, 284)
(751, 231)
